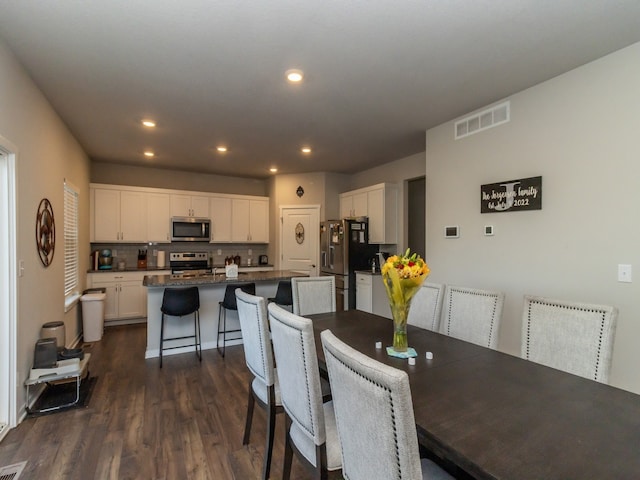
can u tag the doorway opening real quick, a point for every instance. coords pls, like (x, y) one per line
(7, 288)
(416, 216)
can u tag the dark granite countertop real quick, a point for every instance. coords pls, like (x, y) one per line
(167, 268)
(190, 279)
(369, 272)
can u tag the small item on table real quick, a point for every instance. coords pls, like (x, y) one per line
(378, 345)
(429, 356)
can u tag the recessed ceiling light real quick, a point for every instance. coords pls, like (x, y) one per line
(294, 75)
(149, 123)
(221, 149)
(306, 149)
(149, 153)
(273, 169)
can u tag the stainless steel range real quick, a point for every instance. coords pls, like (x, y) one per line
(189, 263)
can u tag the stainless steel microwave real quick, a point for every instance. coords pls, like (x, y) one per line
(189, 229)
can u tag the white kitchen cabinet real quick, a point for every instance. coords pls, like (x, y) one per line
(380, 204)
(158, 217)
(220, 210)
(371, 295)
(250, 220)
(189, 206)
(353, 204)
(118, 216)
(383, 214)
(126, 296)
(364, 299)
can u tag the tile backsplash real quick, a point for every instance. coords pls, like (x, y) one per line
(217, 251)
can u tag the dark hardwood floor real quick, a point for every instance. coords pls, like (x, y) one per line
(182, 422)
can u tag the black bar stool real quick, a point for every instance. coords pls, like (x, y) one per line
(283, 297)
(229, 303)
(178, 302)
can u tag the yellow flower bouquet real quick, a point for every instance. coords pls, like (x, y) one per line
(402, 276)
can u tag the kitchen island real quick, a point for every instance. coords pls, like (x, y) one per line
(212, 288)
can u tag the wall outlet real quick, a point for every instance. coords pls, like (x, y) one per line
(114, 253)
(219, 251)
(155, 253)
(250, 252)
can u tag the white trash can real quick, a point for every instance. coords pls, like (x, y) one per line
(92, 316)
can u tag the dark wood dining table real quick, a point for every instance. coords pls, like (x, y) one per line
(497, 416)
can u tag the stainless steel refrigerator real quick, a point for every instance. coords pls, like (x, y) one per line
(344, 248)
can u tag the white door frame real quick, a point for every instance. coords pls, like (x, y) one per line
(8, 295)
(280, 236)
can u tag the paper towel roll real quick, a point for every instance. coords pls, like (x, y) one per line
(160, 262)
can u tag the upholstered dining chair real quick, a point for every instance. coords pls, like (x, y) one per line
(570, 336)
(311, 425)
(263, 387)
(374, 417)
(426, 307)
(472, 315)
(313, 295)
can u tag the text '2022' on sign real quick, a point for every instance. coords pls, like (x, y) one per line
(512, 195)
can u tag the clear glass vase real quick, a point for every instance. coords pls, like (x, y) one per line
(400, 314)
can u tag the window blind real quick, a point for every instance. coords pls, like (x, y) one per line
(70, 240)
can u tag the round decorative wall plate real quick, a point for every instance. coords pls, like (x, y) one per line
(45, 232)
(299, 233)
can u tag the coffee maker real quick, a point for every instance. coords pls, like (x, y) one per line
(105, 260)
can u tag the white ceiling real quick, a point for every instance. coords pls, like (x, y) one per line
(378, 73)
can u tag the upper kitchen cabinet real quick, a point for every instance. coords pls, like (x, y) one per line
(353, 204)
(220, 210)
(118, 216)
(250, 220)
(158, 217)
(189, 206)
(380, 204)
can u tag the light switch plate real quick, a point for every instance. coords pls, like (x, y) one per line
(624, 273)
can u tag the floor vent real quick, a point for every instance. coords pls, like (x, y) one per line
(489, 118)
(12, 472)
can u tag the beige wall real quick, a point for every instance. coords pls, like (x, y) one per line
(175, 179)
(47, 154)
(580, 132)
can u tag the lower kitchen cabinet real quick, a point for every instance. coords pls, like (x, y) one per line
(126, 297)
(371, 295)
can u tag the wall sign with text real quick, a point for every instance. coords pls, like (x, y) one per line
(511, 196)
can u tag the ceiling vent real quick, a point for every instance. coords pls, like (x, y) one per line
(489, 118)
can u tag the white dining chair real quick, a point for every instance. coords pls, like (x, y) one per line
(573, 337)
(313, 294)
(426, 306)
(263, 387)
(374, 417)
(311, 424)
(472, 315)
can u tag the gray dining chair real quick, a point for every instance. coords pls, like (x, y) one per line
(311, 425)
(573, 337)
(472, 315)
(374, 417)
(426, 307)
(313, 295)
(263, 387)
